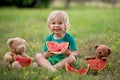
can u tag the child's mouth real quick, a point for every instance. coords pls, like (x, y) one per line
(56, 30)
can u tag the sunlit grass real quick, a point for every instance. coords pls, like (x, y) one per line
(89, 26)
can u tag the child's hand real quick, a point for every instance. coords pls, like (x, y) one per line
(66, 52)
(49, 53)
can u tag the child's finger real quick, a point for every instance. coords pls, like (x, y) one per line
(50, 52)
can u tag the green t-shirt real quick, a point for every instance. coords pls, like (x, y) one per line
(58, 57)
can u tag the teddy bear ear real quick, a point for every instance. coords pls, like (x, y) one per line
(109, 51)
(96, 46)
(10, 41)
(24, 41)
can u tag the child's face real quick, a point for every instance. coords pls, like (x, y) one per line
(57, 26)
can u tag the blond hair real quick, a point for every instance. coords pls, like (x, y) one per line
(60, 15)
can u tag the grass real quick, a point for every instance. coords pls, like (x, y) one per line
(89, 26)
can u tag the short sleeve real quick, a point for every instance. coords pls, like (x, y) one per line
(72, 43)
(48, 38)
(45, 47)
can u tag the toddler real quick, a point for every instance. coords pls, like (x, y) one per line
(58, 24)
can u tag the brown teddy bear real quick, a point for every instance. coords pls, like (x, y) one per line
(17, 48)
(101, 52)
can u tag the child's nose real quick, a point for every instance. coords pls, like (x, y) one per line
(56, 25)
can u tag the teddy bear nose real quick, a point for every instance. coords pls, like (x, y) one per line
(100, 52)
(22, 47)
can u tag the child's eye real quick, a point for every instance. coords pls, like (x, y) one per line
(53, 22)
(60, 22)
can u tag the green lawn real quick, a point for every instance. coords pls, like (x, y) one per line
(89, 26)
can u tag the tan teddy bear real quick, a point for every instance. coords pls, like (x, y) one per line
(17, 48)
(101, 52)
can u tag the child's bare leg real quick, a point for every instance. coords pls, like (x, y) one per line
(42, 61)
(70, 60)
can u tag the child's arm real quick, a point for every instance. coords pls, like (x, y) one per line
(68, 52)
(75, 53)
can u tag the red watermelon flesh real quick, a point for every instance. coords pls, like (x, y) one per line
(57, 48)
(97, 64)
(23, 61)
(68, 67)
(82, 71)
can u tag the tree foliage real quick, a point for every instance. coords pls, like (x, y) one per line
(26, 3)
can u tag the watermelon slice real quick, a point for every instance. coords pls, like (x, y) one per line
(57, 48)
(23, 61)
(97, 64)
(69, 68)
(82, 71)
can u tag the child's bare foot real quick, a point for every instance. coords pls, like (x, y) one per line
(52, 69)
